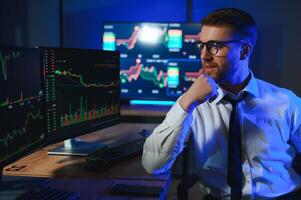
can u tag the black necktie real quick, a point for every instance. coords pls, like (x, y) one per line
(235, 174)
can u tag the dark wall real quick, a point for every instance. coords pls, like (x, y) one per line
(83, 19)
(29, 23)
(43, 23)
(13, 23)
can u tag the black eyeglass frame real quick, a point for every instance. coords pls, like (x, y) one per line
(217, 44)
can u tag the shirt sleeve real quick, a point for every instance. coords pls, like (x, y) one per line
(167, 141)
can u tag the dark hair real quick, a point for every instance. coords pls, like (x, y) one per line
(243, 23)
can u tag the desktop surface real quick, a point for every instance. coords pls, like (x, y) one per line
(69, 173)
(40, 164)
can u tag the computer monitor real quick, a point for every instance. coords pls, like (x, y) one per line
(82, 95)
(22, 127)
(158, 61)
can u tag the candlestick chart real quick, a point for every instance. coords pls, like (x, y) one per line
(80, 88)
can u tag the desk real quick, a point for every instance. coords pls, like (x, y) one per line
(144, 110)
(143, 113)
(88, 183)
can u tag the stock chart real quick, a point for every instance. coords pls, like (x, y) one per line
(80, 89)
(158, 60)
(21, 106)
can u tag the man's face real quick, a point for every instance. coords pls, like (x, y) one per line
(223, 65)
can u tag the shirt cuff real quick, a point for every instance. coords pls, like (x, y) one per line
(176, 115)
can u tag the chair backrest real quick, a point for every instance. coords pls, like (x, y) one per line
(184, 163)
(297, 164)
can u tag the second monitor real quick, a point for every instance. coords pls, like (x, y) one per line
(158, 61)
(81, 92)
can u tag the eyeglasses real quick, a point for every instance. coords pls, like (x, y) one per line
(212, 46)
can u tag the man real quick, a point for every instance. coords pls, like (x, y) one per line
(256, 163)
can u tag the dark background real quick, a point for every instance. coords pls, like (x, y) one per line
(78, 23)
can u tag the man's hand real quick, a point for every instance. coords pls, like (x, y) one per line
(204, 88)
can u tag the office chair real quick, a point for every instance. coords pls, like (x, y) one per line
(187, 180)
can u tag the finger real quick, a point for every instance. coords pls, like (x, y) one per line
(201, 71)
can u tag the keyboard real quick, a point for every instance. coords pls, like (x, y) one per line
(105, 158)
(47, 193)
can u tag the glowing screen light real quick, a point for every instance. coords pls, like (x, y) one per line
(150, 35)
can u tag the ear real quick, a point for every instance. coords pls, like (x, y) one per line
(246, 51)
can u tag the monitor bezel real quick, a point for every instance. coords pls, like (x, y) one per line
(14, 157)
(52, 139)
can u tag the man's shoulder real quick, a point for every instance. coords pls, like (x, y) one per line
(265, 88)
(269, 86)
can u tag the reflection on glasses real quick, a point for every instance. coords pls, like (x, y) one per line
(212, 46)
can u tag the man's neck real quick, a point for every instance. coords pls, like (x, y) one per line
(236, 88)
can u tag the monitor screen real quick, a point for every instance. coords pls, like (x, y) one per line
(158, 61)
(22, 127)
(81, 91)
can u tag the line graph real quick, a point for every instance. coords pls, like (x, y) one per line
(131, 41)
(5, 59)
(21, 99)
(191, 38)
(13, 134)
(77, 79)
(132, 73)
(151, 74)
(20, 75)
(168, 40)
(191, 76)
(147, 33)
(146, 73)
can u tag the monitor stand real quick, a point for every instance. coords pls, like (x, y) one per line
(76, 147)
